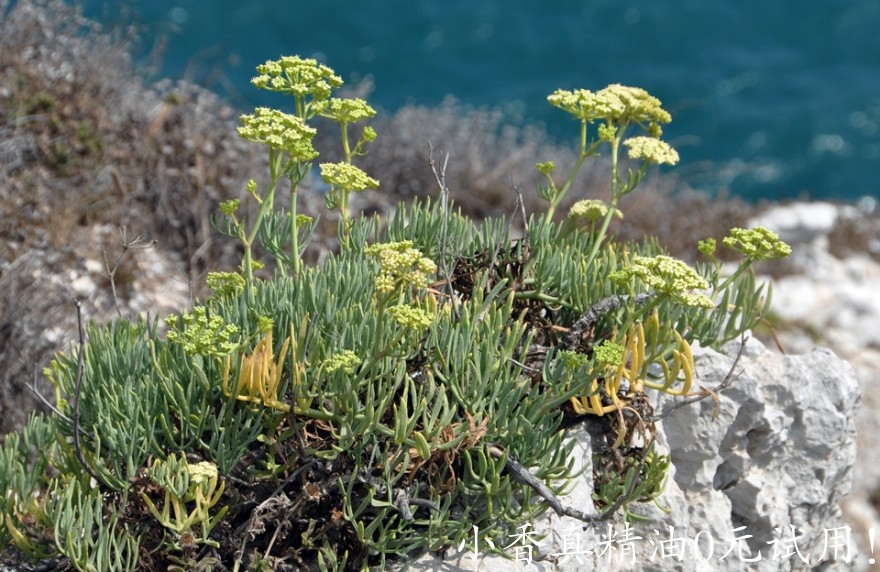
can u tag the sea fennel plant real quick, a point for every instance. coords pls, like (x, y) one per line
(413, 386)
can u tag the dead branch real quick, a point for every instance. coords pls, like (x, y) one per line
(440, 177)
(521, 474)
(573, 339)
(80, 365)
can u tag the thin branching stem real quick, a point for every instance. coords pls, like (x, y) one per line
(39, 395)
(521, 474)
(138, 242)
(80, 365)
(440, 177)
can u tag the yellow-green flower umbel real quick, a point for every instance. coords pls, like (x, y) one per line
(280, 131)
(617, 104)
(400, 265)
(410, 317)
(345, 110)
(707, 247)
(608, 354)
(651, 150)
(226, 283)
(346, 361)
(667, 276)
(200, 475)
(202, 333)
(546, 168)
(297, 76)
(591, 209)
(758, 243)
(347, 177)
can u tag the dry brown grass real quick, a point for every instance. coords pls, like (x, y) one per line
(84, 143)
(88, 142)
(858, 232)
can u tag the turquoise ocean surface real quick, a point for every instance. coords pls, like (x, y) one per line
(775, 99)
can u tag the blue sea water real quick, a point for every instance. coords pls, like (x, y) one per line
(771, 99)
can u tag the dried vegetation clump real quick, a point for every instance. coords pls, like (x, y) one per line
(85, 147)
(857, 231)
(86, 142)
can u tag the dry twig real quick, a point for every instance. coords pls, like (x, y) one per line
(522, 475)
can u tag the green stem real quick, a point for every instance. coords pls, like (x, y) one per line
(537, 295)
(299, 106)
(381, 303)
(343, 206)
(295, 263)
(247, 262)
(265, 206)
(615, 197)
(345, 146)
(746, 264)
(574, 171)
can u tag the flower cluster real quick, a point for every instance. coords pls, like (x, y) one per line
(400, 266)
(185, 483)
(202, 334)
(302, 220)
(345, 361)
(573, 360)
(651, 150)
(368, 134)
(410, 317)
(225, 283)
(229, 207)
(280, 131)
(608, 354)
(546, 168)
(347, 177)
(668, 276)
(707, 246)
(607, 132)
(345, 110)
(591, 209)
(265, 324)
(757, 243)
(617, 104)
(297, 76)
(251, 188)
(203, 473)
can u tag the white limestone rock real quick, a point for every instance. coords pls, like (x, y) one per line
(799, 222)
(778, 454)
